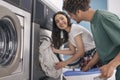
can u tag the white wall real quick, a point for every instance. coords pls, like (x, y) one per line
(114, 6)
(55, 4)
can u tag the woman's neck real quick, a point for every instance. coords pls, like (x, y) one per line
(68, 29)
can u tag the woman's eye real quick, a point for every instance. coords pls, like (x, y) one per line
(62, 18)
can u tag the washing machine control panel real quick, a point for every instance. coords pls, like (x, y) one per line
(23, 4)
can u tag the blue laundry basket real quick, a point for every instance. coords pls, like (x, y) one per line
(77, 72)
(69, 74)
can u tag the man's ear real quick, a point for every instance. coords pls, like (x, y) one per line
(78, 12)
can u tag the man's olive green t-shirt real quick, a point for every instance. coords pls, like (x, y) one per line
(105, 27)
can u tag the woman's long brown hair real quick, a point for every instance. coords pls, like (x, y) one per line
(57, 41)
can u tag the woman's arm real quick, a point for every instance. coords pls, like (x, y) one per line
(80, 49)
(92, 62)
(70, 50)
(78, 54)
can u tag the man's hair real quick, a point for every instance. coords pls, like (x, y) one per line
(73, 5)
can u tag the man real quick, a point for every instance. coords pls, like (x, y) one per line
(105, 27)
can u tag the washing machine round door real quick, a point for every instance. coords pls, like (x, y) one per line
(10, 41)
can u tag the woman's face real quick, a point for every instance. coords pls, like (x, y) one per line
(61, 21)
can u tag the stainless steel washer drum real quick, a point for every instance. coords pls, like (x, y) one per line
(10, 41)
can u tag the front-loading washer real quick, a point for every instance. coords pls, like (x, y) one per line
(14, 42)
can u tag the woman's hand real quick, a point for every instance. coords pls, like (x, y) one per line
(85, 68)
(60, 65)
(53, 49)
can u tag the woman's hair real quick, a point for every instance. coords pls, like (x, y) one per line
(57, 41)
(73, 5)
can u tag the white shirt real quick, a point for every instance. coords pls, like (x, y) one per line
(87, 38)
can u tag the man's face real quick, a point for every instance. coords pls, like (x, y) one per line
(75, 17)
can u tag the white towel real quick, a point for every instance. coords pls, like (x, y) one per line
(48, 59)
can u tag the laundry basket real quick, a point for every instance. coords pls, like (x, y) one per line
(69, 74)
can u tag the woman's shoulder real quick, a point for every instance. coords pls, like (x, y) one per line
(77, 26)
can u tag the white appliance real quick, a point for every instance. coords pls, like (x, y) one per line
(14, 42)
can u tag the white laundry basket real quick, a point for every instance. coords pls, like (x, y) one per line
(79, 75)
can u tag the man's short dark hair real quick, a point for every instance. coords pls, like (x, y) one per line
(73, 5)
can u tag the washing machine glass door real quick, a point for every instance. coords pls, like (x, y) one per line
(10, 40)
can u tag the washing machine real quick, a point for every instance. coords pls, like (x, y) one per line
(41, 30)
(14, 40)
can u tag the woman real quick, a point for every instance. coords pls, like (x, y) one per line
(78, 37)
(105, 27)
